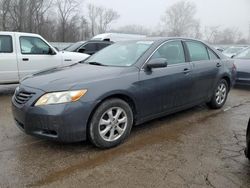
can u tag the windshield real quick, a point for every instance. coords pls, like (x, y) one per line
(233, 50)
(121, 54)
(244, 55)
(74, 47)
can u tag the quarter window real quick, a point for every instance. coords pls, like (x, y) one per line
(6, 44)
(33, 45)
(197, 51)
(172, 51)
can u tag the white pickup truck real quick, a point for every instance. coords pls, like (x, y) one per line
(22, 54)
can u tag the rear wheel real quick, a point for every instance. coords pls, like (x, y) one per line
(111, 123)
(220, 95)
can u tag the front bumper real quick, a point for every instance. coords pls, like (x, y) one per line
(61, 122)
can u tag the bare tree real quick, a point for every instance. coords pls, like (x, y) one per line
(218, 35)
(179, 19)
(93, 16)
(4, 13)
(106, 17)
(67, 11)
(100, 18)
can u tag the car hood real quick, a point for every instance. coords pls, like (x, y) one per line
(72, 57)
(66, 77)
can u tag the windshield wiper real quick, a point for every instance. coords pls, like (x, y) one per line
(96, 63)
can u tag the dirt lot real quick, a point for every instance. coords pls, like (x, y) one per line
(195, 148)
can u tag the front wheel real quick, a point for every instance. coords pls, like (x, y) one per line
(220, 95)
(111, 123)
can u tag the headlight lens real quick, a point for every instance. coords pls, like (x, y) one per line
(60, 97)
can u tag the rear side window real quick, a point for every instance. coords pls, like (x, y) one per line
(172, 51)
(197, 51)
(6, 44)
(212, 55)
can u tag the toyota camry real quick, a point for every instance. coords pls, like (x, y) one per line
(125, 84)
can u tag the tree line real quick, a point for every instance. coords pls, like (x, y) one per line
(56, 20)
(73, 20)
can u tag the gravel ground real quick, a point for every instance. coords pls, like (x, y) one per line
(194, 148)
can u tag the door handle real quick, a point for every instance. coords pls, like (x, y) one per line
(25, 59)
(186, 71)
(218, 65)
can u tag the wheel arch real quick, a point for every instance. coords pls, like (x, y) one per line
(119, 95)
(228, 80)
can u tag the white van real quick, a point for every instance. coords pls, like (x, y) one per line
(22, 54)
(116, 37)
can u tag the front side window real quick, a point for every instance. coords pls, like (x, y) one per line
(122, 54)
(172, 51)
(197, 51)
(34, 45)
(6, 44)
(102, 45)
(90, 47)
(212, 55)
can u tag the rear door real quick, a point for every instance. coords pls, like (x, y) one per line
(205, 66)
(8, 59)
(34, 55)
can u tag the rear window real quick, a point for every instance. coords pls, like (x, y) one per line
(6, 44)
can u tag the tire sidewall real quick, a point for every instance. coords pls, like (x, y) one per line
(94, 135)
(214, 102)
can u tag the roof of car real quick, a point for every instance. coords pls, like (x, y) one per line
(162, 39)
(20, 33)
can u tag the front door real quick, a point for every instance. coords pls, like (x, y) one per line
(164, 89)
(34, 55)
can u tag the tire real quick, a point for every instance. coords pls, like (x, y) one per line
(110, 124)
(247, 153)
(220, 95)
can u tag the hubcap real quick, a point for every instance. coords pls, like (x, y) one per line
(113, 124)
(221, 93)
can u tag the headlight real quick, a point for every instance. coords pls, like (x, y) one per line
(60, 97)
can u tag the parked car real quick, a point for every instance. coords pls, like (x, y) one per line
(247, 151)
(117, 37)
(232, 51)
(89, 47)
(219, 48)
(26, 53)
(125, 84)
(242, 63)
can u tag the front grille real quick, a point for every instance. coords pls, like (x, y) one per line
(22, 97)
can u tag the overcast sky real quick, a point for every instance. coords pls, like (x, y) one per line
(227, 13)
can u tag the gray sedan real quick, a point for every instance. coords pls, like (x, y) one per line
(125, 84)
(242, 63)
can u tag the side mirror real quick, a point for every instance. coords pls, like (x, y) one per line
(82, 50)
(157, 63)
(51, 52)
